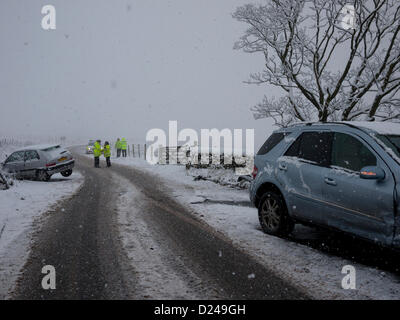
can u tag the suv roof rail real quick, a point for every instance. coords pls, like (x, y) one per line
(347, 124)
(297, 124)
(324, 123)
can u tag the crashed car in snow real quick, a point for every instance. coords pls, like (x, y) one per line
(344, 176)
(39, 162)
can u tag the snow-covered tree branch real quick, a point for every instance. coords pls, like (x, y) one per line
(332, 59)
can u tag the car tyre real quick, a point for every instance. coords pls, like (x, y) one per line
(42, 175)
(273, 215)
(66, 173)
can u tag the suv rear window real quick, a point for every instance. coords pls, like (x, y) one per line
(272, 142)
(312, 146)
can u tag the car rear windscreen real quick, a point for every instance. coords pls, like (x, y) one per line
(51, 148)
(55, 151)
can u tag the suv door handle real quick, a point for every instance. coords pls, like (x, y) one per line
(330, 181)
(282, 166)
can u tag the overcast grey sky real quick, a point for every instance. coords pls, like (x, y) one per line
(122, 67)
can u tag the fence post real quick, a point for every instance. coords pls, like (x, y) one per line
(133, 150)
(128, 151)
(139, 150)
(145, 152)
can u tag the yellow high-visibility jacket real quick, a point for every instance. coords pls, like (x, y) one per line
(124, 144)
(97, 149)
(107, 151)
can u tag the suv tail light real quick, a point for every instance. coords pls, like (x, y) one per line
(255, 172)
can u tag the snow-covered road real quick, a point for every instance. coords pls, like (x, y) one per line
(21, 213)
(124, 236)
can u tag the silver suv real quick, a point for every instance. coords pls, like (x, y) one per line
(39, 162)
(344, 176)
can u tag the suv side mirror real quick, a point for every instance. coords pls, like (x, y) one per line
(372, 173)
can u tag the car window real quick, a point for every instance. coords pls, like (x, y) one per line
(272, 142)
(350, 153)
(16, 156)
(392, 142)
(31, 155)
(312, 146)
(395, 140)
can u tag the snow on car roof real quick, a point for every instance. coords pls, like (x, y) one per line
(40, 147)
(391, 128)
(384, 128)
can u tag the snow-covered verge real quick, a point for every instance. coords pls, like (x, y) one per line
(6, 150)
(21, 207)
(228, 211)
(220, 175)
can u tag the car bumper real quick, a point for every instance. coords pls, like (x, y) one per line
(253, 194)
(61, 167)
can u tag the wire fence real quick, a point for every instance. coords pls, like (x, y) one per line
(12, 142)
(6, 141)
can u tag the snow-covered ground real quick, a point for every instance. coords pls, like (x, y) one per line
(228, 211)
(220, 175)
(21, 208)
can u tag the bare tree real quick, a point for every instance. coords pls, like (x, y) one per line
(333, 59)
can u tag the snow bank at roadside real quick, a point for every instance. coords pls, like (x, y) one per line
(20, 207)
(220, 175)
(228, 211)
